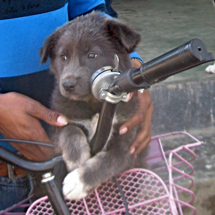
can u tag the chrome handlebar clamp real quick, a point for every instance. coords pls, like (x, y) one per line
(100, 82)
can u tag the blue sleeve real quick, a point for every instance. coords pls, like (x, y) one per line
(136, 55)
(77, 8)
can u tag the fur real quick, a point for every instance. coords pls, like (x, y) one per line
(76, 50)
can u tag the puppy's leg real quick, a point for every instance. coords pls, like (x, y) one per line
(98, 169)
(74, 146)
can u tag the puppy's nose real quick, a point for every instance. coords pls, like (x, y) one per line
(69, 85)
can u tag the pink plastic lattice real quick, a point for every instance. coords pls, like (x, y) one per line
(144, 191)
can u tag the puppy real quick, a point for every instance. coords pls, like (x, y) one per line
(76, 50)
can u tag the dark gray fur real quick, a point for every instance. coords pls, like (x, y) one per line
(105, 37)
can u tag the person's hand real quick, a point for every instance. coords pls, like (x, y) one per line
(19, 119)
(142, 116)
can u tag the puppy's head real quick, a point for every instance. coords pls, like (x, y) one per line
(84, 45)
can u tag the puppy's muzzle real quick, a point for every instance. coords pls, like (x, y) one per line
(69, 85)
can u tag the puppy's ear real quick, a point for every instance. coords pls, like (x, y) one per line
(120, 32)
(47, 50)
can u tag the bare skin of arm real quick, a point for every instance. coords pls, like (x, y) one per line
(143, 117)
(19, 119)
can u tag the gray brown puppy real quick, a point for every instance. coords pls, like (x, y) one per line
(76, 50)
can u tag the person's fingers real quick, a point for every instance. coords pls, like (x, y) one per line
(51, 117)
(39, 134)
(144, 134)
(144, 102)
(141, 141)
(33, 152)
(19, 121)
(128, 97)
(127, 126)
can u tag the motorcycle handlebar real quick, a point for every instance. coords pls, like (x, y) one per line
(186, 56)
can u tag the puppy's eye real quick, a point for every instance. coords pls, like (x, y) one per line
(63, 57)
(92, 55)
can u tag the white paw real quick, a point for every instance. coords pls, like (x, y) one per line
(73, 187)
(210, 69)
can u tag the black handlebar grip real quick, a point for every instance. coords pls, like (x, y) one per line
(186, 56)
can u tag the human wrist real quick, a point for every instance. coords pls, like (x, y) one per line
(137, 63)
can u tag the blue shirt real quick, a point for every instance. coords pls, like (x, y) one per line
(25, 26)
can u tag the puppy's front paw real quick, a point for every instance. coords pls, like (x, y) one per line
(73, 187)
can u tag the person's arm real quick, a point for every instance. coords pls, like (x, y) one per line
(19, 119)
(142, 116)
